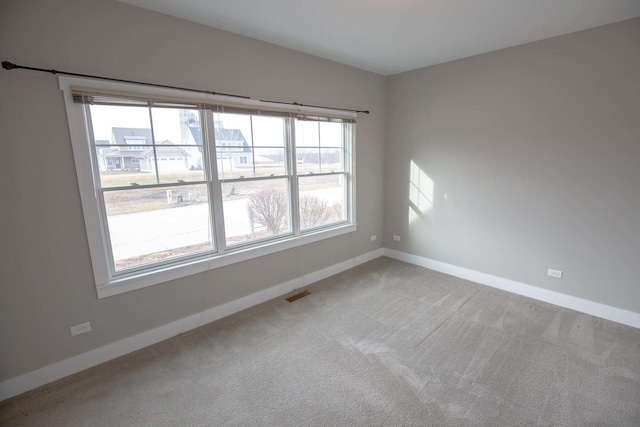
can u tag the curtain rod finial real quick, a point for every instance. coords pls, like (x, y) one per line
(9, 65)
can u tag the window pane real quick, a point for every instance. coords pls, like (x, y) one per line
(268, 131)
(156, 224)
(233, 145)
(259, 162)
(176, 125)
(250, 146)
(118, 125)
(175, 163)
(179, 148)
(125, 146)
(319, 147)
(232, 130)
(307, 160)
(231, 166)
(123, 166)
(255, 210)
(322, 200)
(269, 161)
(331, 134)
(331, 160)
(121, 134)
(307, 134)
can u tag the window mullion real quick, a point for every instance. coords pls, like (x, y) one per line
(319, 150)
(253, 148)
(215, 187)
(293, 173)
(349, 148)
(153, 144)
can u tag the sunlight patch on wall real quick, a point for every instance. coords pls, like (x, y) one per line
(420, 192)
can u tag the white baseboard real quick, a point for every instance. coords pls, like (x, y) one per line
(22, 383)
(596, 309)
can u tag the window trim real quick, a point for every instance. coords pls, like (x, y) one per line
(106, 284)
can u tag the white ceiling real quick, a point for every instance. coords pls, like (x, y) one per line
(392, 36)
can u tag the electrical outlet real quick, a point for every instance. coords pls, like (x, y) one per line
(374, 237)
(554, 273)
(80, 329)
(396, 237)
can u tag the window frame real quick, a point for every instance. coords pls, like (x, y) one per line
(107, 283)
(345, 172)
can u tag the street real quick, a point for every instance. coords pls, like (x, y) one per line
(143, 233)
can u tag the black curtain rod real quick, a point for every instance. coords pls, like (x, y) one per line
(11, 66)
(315, 106)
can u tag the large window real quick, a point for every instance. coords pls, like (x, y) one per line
(180, 187)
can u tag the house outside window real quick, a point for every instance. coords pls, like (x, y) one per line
(162, 218)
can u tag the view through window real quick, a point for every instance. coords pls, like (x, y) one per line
(176, 183)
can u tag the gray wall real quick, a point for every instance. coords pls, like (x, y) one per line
(538, 150)
(46, 280)
(537, 147)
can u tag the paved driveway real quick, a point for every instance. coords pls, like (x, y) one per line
(148, 232)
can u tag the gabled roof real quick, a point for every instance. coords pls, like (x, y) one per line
(119, 135)
(222, 134)
(196, 134)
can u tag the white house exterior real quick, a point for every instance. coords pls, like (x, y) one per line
(232, 149)
(167, 156)
(132, 149)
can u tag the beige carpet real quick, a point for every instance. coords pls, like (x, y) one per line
(383, 344)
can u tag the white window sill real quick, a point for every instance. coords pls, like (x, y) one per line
(141, 280)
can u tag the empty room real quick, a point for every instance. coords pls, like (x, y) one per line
(286, 213)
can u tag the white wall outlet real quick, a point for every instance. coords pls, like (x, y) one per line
(554, 273)
(374, 237)
(80, 329)
(396, 237)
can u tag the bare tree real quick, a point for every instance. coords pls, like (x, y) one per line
(269, 208)
(335, 212)
(313, 211)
